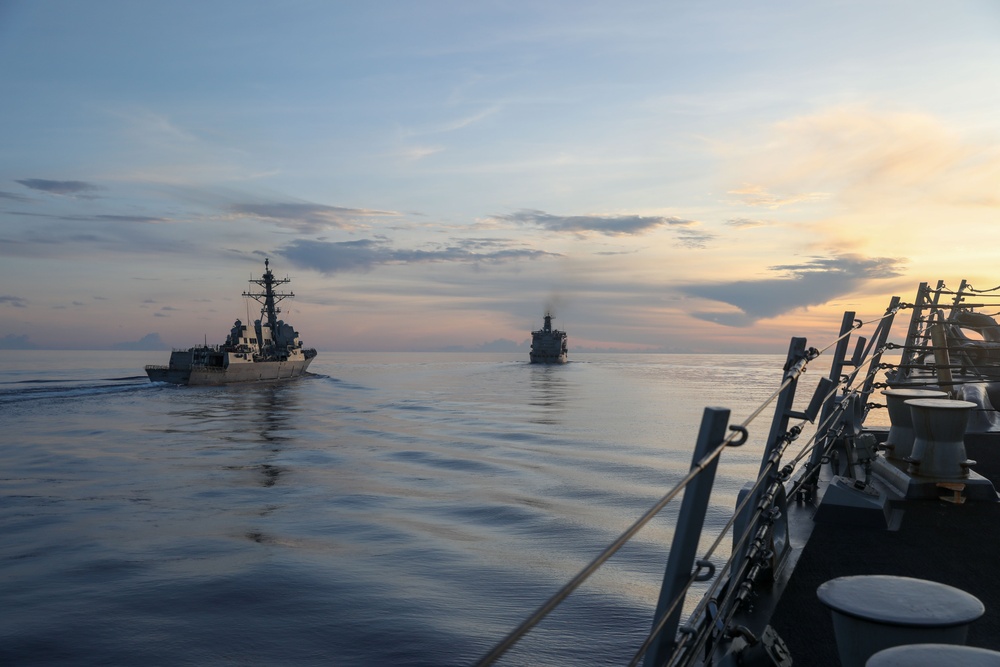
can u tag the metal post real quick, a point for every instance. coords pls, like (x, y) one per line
(691, 518)
(878, 342)
(910, 344)
(917, 335)
(783, 406)
(836, 369)
(779, 426)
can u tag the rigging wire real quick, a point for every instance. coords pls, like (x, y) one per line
(793, 372)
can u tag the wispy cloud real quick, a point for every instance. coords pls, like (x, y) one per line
(307, 217)
(62, 188)
(331, 257)
(457, 123)
(693, 238)
(755, 195)
(745, 223)
(414, 153)
(861, 157)
(15, 301)
(613, 225)
(13, 197)
(810, 283)
(143, 219)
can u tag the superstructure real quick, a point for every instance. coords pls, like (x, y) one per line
(269, 349)
(548, 345)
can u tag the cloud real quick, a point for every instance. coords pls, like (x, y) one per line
(811, 283)
(13, 342)
(330, 257)
(12, 196)
(145, 219)
(756, 195)
(307, 217)
(691, 238)
(62, 188)
(71, 236)
(15, 301)
(866, 157)
(745, 223)
(414, 153)
(148, 342)
(614, 225)
(459, 123)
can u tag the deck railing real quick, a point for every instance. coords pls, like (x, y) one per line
(757, 524)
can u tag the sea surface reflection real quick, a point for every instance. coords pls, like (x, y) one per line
(388, 509)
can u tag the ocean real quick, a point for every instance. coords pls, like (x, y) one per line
(389, 509)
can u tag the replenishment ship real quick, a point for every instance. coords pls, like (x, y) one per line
(269, 350)
(862, 544)
(548, 345)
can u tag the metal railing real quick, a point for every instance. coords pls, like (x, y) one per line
(840, 399)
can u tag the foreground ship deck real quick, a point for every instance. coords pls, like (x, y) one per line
(907, 507)
(270, 350)
(935, 540)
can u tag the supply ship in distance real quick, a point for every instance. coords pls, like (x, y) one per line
(548, 345)
(270, 350)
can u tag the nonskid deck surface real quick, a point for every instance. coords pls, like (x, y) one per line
(938, 541)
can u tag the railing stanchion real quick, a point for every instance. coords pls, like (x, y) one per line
(691, 518)
(836, 372)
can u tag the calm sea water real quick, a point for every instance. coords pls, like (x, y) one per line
(391, 509)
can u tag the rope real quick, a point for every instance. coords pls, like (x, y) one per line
(585, 573)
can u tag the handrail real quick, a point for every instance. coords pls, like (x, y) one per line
(744, 564)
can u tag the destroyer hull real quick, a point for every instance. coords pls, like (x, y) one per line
(261, 371)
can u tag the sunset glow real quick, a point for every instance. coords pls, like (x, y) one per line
(664, 176)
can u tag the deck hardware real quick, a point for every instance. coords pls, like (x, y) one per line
(859, 351)
(744, 632)
(956, 489)
(709, 568)
(744, 434)
(823, 389)
(713, 614)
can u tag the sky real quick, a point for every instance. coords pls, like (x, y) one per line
(662, 176)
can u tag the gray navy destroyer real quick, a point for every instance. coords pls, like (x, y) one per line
(268, 350)
(864, 544)
(548, 345)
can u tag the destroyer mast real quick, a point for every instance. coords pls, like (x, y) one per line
(269, 298)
